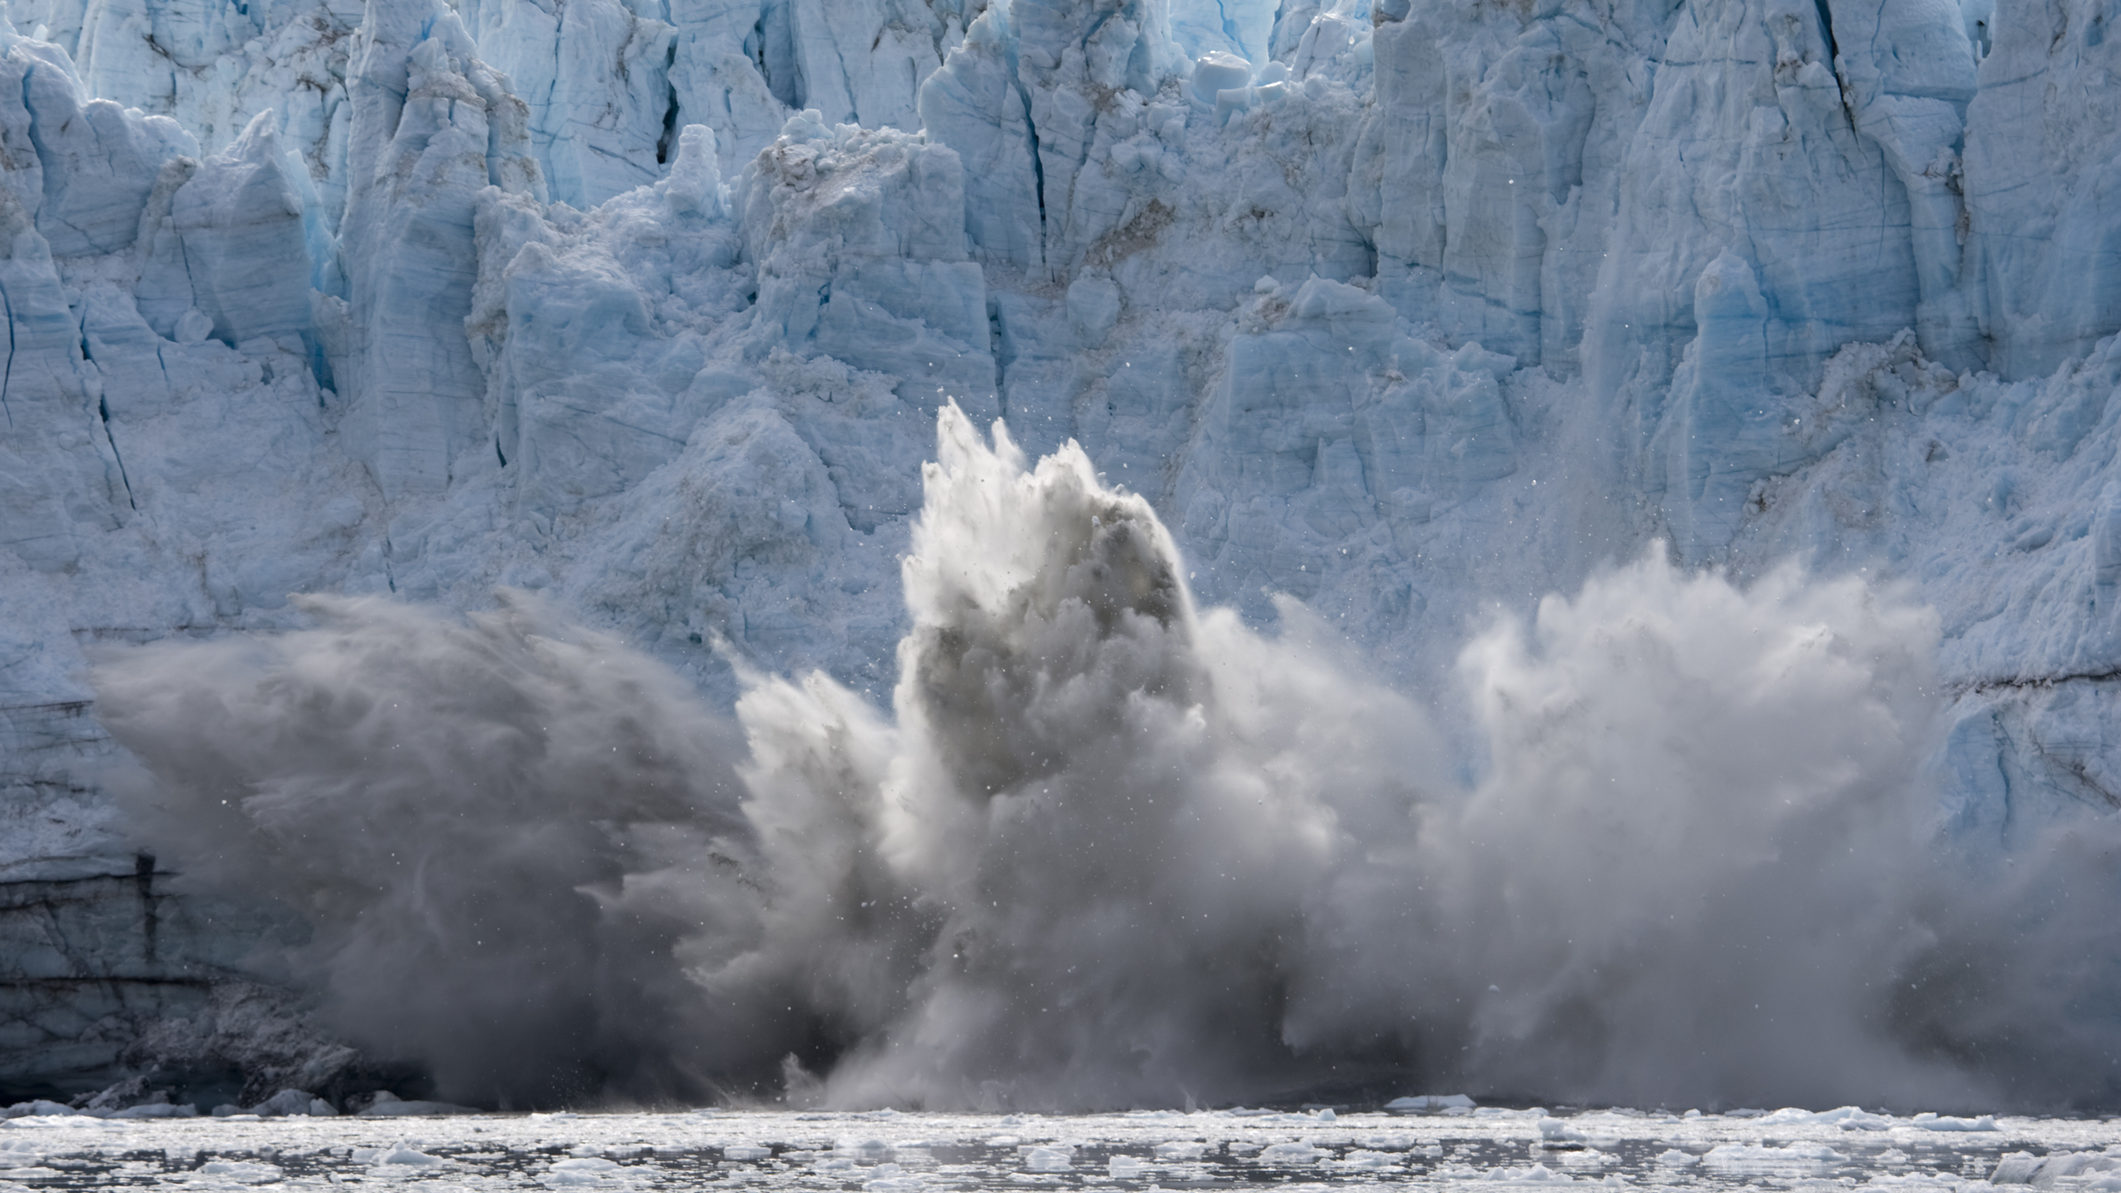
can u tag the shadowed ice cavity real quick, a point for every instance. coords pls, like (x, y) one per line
(1107, 849)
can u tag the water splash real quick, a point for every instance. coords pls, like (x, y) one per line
(1109, 849)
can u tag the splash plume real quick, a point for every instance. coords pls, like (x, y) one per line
(494, 828)
(1109, 849)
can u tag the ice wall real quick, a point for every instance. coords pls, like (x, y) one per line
(1406, 308)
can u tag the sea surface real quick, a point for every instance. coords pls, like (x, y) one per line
(890, 1152)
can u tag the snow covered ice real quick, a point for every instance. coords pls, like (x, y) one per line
(1392, 334)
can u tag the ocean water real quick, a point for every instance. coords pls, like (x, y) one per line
(893, 1152)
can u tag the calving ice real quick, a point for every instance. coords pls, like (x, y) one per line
(1110, 849)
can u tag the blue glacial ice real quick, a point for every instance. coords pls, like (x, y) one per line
(1413, 310)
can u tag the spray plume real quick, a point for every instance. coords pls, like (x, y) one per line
(1113, 850)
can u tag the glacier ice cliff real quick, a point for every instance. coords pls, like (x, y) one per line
(1411, 310)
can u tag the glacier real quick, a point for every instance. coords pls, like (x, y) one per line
(1411, 310)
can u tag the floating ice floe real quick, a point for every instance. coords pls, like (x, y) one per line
(2026, 1168)
(1125, 1168)
(389, 1105)
(1945, 1122)
(1770, 1159)
(1049, 1158)
(1429, 1104)
(238, 1172)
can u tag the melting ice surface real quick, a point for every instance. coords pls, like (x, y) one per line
(889, 1152)
(1666, 844)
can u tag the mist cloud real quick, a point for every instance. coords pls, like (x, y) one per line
(498, 829)
(1109, 849)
